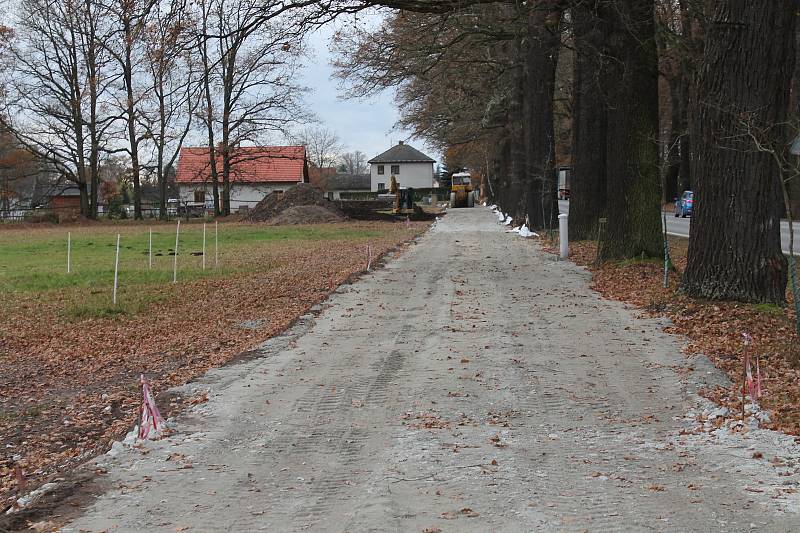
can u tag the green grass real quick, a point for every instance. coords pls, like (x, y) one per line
(640, 261)
(768, 309)
(36, 260)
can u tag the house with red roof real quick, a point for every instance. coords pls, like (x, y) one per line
(256, 171)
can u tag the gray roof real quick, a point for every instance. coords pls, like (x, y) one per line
(347, 182)
(401, 153)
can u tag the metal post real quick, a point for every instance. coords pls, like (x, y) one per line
(116, 274)
(563, 235)
(175, 261)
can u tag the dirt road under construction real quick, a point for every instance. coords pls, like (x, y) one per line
(473, 384)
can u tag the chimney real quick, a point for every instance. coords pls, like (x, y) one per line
(400, 143)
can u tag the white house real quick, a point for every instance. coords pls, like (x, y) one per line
(256, 171)
(409, 166)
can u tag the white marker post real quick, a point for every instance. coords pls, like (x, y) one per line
(204, 245)
(116, 274)
(563, 235)
(216, 244)
(150, 251)
(175, 261)
(369, 257)
(69, 252)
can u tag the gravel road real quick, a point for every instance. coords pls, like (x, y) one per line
(474, 384)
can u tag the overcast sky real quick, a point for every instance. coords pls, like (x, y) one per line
(366, 125)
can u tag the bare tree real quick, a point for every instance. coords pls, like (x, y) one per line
(172, 90)
(125, 47)
(355, 162)
(248, 70)
(56, 88)
(322, 145)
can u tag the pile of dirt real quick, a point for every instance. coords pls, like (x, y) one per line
(275, 208)
(305, 214)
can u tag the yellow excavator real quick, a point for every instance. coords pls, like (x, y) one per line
(461, 192)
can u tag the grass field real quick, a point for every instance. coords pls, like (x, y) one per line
(35, 260)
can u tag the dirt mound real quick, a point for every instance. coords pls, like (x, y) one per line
(305, 214)
(301, 195)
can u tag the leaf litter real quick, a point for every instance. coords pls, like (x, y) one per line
(714, 329)
(70, 388)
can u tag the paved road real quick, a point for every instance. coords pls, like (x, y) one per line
(474, 384)
(680, 227)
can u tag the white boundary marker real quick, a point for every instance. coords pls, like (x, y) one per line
(150, 250)
(69, 252)
(216, 244)
(175, 261)
(116, 274)
(204, 245)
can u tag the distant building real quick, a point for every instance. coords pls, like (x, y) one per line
(318, 177)
(257, 171)
(65, 198)
(409, 166)
(346, 183)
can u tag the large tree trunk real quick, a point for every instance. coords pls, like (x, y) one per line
(588, 181)
(513, 199)
(794, 108)
(734, 247)
(539, 198)
(632, 162)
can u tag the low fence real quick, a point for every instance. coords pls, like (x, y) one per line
(66, 214)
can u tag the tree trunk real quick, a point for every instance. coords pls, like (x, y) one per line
(632, 162)
(793, 184)
(94, 133)
(513, 200)
(734, 247)
(209, 118)
(539, 192)
(130, 110)
(228, 82)
(588, 180)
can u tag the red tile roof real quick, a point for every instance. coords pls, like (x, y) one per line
(256, 164)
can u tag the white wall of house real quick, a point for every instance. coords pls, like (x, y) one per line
(417, 175)
(242, 194)
(337, 195)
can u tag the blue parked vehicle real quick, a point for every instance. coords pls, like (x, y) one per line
(684, 204)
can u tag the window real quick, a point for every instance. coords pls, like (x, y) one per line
(380, 170)
(381, 186)
(396, 170)
(200, 196)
